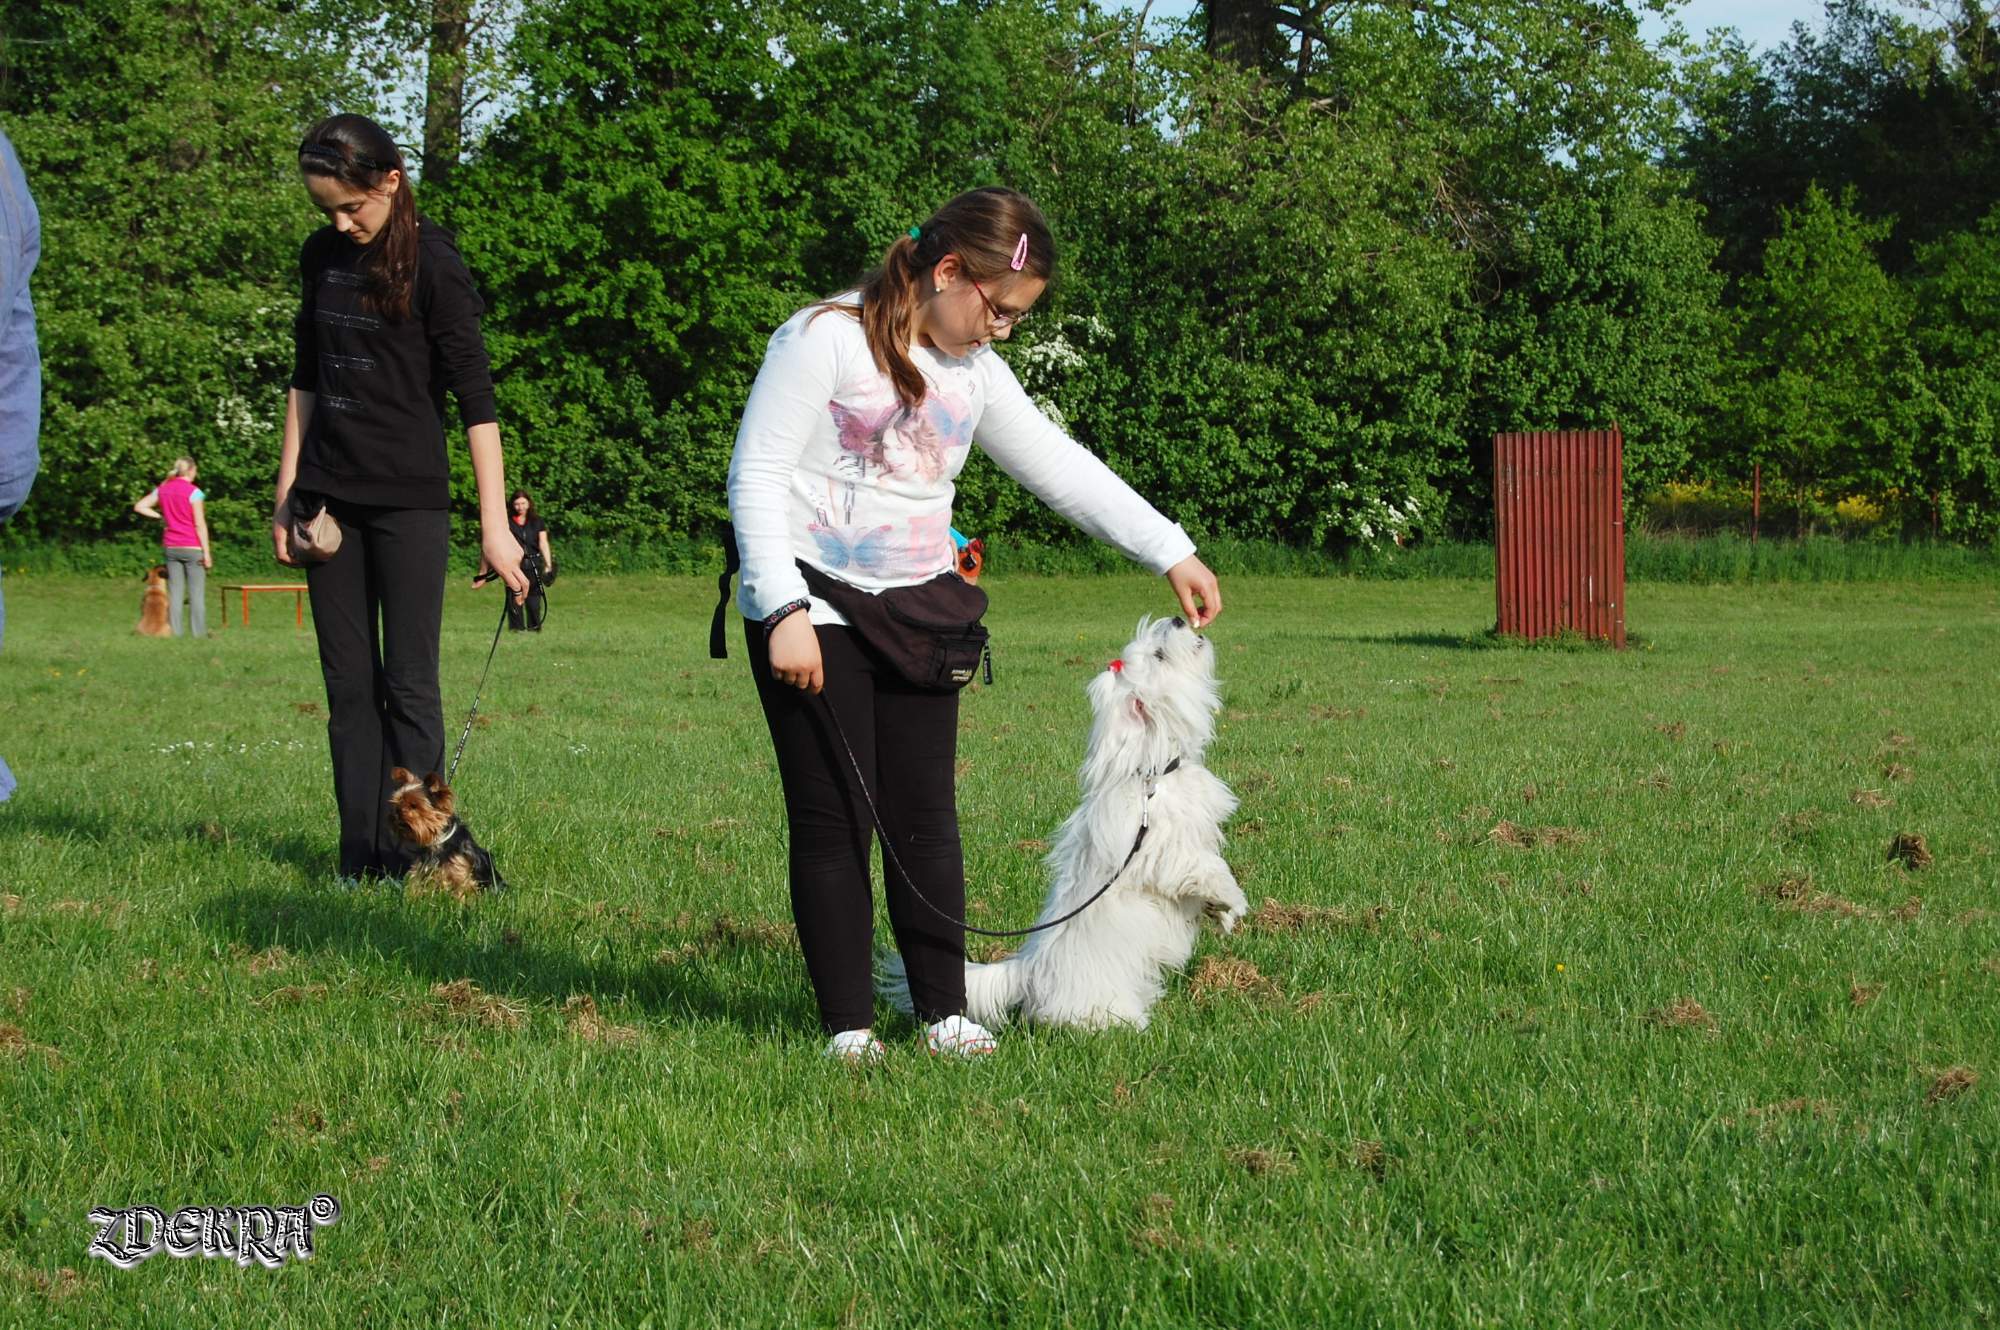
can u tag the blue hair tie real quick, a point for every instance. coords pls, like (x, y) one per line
(916, 233)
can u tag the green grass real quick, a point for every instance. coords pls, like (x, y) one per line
(1456, 1098)
(1720, 559)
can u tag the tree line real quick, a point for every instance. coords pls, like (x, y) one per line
(1311, 256)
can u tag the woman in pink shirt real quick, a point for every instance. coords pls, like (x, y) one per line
(176, 502)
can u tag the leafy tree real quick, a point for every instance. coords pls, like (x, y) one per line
(1827, 370)
(160, 142)
(1610, 313)
(1956, 329)
(1908, 114)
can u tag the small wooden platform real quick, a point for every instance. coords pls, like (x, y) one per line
(245, 589)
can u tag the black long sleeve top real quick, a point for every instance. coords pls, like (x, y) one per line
(377, 429)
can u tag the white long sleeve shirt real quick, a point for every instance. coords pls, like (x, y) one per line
(829, 469)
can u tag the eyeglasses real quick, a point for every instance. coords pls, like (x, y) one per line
(999, 319)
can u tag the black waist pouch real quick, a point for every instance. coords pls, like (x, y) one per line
(929, 634)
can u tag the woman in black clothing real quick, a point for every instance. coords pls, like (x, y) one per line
(526, 524)
(388, 321)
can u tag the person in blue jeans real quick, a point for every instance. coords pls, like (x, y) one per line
(20, 359)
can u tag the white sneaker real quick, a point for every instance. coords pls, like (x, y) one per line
(959, 1037)
(855, 1047)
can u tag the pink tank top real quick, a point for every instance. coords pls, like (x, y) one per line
(177, 495)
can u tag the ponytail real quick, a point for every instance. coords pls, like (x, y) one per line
(987, 228)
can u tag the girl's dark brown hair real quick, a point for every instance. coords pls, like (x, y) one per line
(359, 153)
(984, 228)
(533, 516)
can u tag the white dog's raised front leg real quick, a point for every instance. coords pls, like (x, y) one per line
(1214, 885)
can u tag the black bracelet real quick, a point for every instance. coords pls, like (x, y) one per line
(772, 619)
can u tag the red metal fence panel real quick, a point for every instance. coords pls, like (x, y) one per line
(1559, 528)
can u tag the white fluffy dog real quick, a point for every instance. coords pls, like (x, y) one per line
(1154, 715)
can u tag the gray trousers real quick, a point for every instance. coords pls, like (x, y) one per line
(185, 574)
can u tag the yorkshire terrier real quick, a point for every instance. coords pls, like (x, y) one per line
(153, 618)
(425, 820)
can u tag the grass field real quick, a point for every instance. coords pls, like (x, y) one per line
(1592, 995)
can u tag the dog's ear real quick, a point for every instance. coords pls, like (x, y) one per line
(401, 775)
(439, 792)
(1139, 712)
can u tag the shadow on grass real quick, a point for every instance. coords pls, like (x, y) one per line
(26, 813)
(1487, 639)
(1481, 641)
(310, 856)
(374, 924)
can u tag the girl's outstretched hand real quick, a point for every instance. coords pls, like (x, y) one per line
(1196, 589)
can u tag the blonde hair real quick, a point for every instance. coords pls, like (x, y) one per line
(183, 466)
(986, 229)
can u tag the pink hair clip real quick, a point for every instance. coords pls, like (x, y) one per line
(1020, 252)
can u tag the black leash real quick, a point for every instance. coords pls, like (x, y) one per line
(471, 715)
(889, 850)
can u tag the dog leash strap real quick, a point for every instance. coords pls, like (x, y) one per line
(889, 850)
(473, 714)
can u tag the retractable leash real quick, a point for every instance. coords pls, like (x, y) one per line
(889, 850)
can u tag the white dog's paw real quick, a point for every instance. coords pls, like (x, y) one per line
(1226, 916)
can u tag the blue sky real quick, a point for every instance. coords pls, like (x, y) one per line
(1762, 23)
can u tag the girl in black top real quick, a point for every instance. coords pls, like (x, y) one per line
(388, 321)
(526, 524)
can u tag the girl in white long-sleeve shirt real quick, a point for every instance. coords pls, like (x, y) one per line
(863, 413)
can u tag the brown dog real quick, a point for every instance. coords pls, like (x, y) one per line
(153, 620)
(425, 816)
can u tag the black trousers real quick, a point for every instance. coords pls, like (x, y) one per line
(906, 742)
(377, 608)
(535, 606)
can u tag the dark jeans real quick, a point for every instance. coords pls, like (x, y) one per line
(907, 744)
(377, 608)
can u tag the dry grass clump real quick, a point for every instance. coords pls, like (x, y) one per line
(1951, 1083)
(1682, 1014)
(585, 1023)
(1896, 771)
(464, 1000)
(1863, 994)
(14, 1042)
(728, 931)
(1274, 916)
(269, 959)
(1230, 976)
(1909, 850)
(1371, 1157)
(1257, 1163)
(1795, 891)
(1792, 826)
(1871, 799)
(1526, 838)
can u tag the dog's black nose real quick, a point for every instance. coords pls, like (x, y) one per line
(1179, 622)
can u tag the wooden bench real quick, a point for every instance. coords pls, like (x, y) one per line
(246, 588)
